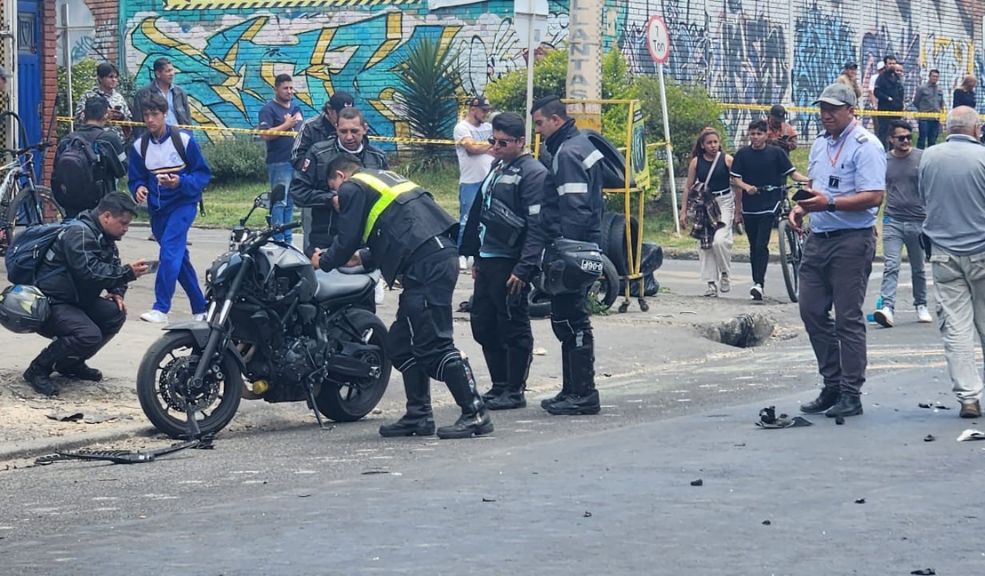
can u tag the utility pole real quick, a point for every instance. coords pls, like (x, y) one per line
(584, 81)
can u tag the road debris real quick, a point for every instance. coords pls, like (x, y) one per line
(971, 434)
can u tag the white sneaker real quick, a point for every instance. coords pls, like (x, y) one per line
(923, 315)
(200, 317)
(711, 291)
(884, 316)
(725, 285)
(463, 263)
(154, 317)
(756, 292)
(380, 293)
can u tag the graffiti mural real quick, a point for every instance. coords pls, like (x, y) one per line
(823, 43)
(749, 51)
(227, 59)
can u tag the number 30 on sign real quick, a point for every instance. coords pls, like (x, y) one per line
(658, 39)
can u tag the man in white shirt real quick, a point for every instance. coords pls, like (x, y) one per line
(474, 161)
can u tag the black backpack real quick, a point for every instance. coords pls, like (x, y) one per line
(78, 178)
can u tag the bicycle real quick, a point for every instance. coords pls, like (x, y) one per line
(23, 203)
(791, 240)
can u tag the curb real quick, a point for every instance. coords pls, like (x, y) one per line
(41, 447)
(692, 254)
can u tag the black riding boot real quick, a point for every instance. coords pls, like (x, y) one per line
(565, 379)
(583, 398)
(496, 362)
(38, 374)
(517, 370)
(474, 420)
(826, 399)
(418, 421)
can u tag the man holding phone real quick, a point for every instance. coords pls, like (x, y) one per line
(847, 171)
(85, 282)
(167, 170)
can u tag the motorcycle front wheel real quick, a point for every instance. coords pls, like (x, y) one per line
(162, 387)
(350, 400)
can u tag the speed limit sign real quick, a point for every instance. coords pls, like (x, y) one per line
(658, 39)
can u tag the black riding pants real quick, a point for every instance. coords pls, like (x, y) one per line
(422, 334)
(81, 332)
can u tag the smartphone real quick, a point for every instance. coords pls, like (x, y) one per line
(152, 266)
(802, 194)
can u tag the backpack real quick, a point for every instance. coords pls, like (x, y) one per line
(77, 180)
(24, 257)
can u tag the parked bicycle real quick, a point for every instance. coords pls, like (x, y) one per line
(791, 240)
(23, 202)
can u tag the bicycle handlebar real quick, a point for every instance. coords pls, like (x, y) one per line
(20, 151)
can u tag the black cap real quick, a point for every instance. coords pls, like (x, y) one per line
(340, 100)
(481, 102)
(778, 111)
(851, 66)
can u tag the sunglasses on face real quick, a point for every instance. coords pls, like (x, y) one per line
(496, 143)
(904, 138)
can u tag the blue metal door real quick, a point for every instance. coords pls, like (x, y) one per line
(29, 69)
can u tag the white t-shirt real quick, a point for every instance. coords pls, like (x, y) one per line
(472, 169)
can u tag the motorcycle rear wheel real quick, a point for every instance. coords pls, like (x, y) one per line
(350, 401)
(172, 356)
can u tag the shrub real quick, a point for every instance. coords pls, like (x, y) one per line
(508, 93)
(427, 95)
(236, 159)
(689, 108)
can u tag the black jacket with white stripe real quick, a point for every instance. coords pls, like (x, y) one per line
(520, 186)
(573, 204)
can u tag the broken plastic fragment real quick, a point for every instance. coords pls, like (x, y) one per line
(971, 434)
(698, 482)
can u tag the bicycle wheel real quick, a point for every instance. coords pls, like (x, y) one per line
(789, 258)
(29, 209)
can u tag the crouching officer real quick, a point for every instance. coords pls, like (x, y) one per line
(410, 236)
(503, 233)
(82, 264)
(572, 210)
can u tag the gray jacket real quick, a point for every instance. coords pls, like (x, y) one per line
(182, 110)
(928, 98)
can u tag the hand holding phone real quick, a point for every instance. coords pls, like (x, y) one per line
(152, 266)
(803, 194)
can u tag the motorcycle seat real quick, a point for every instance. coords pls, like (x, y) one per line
(335, 284)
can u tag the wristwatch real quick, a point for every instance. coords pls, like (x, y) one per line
(831, 205)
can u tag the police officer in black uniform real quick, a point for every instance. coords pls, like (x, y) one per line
(503, 232)
(410, 236)
(572, 209)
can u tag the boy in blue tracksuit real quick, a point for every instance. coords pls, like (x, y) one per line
(169, 172)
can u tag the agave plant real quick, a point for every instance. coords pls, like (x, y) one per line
(430, 82)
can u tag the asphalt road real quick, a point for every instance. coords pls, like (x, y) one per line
(609, 494)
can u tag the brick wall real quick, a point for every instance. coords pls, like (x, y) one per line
(49, 78)
(106, 18)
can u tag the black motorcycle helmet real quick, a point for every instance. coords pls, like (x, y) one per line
(23, 309)
(570, 266)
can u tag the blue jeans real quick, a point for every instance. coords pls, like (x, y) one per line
(283, 211)
(929, 130)
(466, 194)
(896, 233)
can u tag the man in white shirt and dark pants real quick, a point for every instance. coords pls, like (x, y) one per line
(474, 161)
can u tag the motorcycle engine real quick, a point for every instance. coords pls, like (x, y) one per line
(291, 365)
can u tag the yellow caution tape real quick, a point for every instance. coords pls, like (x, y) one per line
(942, 116)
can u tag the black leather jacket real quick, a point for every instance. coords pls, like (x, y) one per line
(312, 132)
(519, 185)
(309, 188)
(409, 222)
(82, 263)
(573, 202)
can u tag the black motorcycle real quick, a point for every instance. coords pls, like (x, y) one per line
(294, 333)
